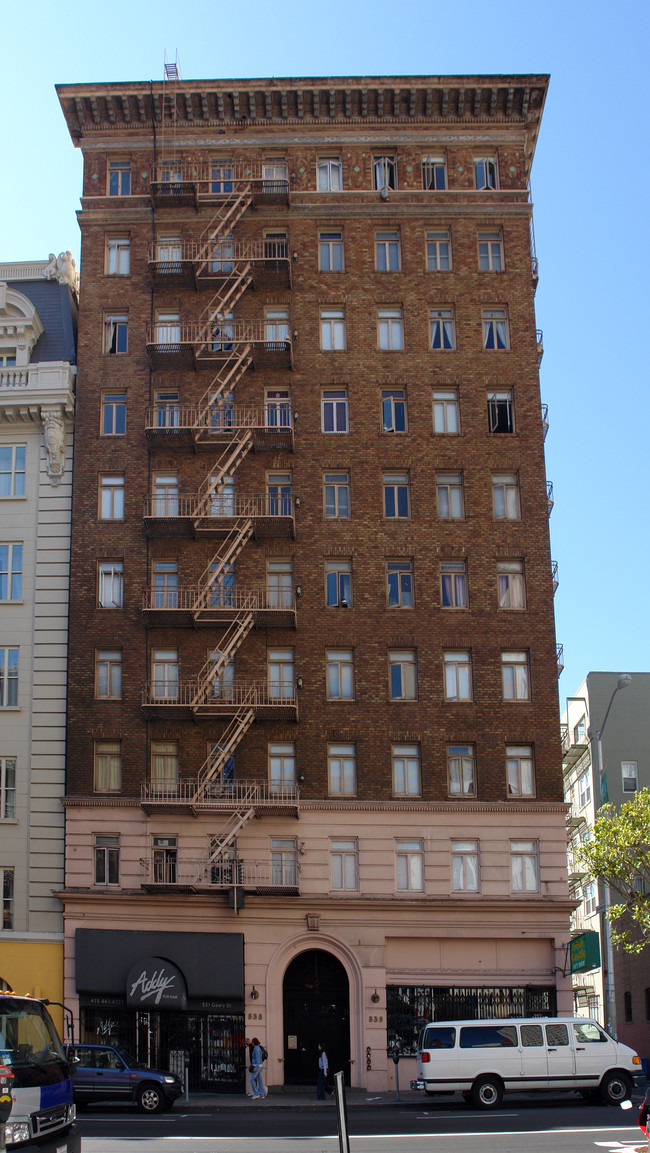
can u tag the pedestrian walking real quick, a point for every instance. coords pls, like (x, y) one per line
(322, 1086)
(249, 1065)
(257, 1062)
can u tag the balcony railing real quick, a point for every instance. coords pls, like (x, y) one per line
(539, 336)
(181, 425)
(204, 514)
(221, 794)
(559, 656)
(213, 698)
(197, 345)
(554, 576)
(549, 496)
(195, 604)
(201, 873)
(217, 260)
(544, 421)
(175, 183)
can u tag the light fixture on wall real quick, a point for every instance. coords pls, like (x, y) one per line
(254, 994)
(375, 998)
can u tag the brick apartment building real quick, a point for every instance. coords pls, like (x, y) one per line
(314, 785)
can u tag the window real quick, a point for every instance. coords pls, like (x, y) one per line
(384, 172)
(458, 675)
(630, 775)
(453, 584)
(165, 494)
(108, 674)
(490, 252)
(330, 252)
(438, 251)
(168, 327)
(511, 584)
(8, 678)
(336, 494)
(410, 866)
(334, 410)
(7, 883)
(167, 413)
(169, 252)
(165, 584)
(342, 770)
(520, 771)
(495, 328)
(515, 676)
(7, 788)
(332, 329)
(108, 766)
(464, 866)
(485, 172)
(107, 860)
(118, 256)
(387, 252)
(434, 173)
(276, 246)
(221, 174)
(116, 327)
(338, 583)
(278, 494)
(284, 861)
(446, 414)
(110, 594)
(500, 414)
(580, 730)
(275, 169)
(7, 358)
(399, 579)
(390, 329)
(590, 898)
(111, 497)
(164, 674)
(396, 495)
(449, 489)
(442, 332)
(402, 675)
(505, 496)
(461, 770)
(223, 256)
(523, 864)
(119, 178)
(222, 498)
(340, 674)
(277, 407)
(282, 768)
(12, 470)
(393, 410)
(11, 572)
(279, 584)
(113, 414)
(329, 174)
(164, 766)
(584, 790)
(222, 585)
(164, 860)
(280, 674)
(406, 770)
(276, 325)
(345, 864)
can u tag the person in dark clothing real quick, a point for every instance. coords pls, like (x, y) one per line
(322, 1086)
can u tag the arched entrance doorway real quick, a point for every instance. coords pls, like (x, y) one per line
(316, 1004)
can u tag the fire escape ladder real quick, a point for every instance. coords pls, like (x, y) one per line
(223, 222)
(228, 376)
(227, 296)
(208, 678)
(230, 459)
(233, 544)
(235, 822)
(211, 771)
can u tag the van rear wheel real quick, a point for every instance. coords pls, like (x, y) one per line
(614, 1088)
(487, 1092)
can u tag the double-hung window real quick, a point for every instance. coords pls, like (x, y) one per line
(116, 330)
(461, 770)
(119, 178)
(520, 771)
(165, 494)
(118, 255)
(495, 329)
(340, 674)
(7, 788)
(446, 414)
(524, 866)
(7, 890)
(505, 495)
(434, 173)
(113, 414)
(284, 862)
(384, 172)
(11, 572)
(442, 332)
(406, 770)
(334, 410)
(485, 173)
(221, 177)
(166, 408)
(164, 766)
(329, 174)
(453, 584)
(511, 584)
(108, 675)
(449, 491)
(108, 767)
(164, 674)
(275, 170)
(332, 329)
(278, 494)
(464, 866)
(107, 859)
(515, 676)
(402, 674)
(165, 584)
(409, 866)
(342, 771)
(168, 327)
(276, 245)
(282, 768)
(12, 470)
(276, 325)
(396, 495)
(330, 252)
(399, 579)
(458, 675)
(390, 329)
(630, 776)
(336, 494)
(110, 593)
(345, 865)
(438, 251)
(490, 252)
(387, 251)
(584, 789)
(393, 410)
(338, 583)
(279, 584)
(277, 408)
(280, 674)
(111, 497)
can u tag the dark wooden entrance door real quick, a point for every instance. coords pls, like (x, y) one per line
(316, 1001)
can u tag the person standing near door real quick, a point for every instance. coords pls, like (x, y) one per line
(323, 1068)
(257, 1061)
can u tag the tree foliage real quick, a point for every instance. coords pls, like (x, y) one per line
(618, 855)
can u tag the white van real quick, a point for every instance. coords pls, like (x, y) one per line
(484, 1059)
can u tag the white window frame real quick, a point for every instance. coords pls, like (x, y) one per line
(335, 415)
(402, 675)
(511, 585)
(515, 675)
(331, 251)
(438, 251)
(450, 498)
(118, 256)
(446, 412)
(505, 496)
(461, 771)
(520, 771)
(490, 250)
(390, 329)
(434, 173)
(332, 330)
(465, 866)
(335, 484)
(486, 173)
(339, 668)
(407, 777)
(590, 898)
(106, 852)
(7, 879)
(284, 862)
(13, 470)
(110, 584)
(168, 328)
(384, 172)
(341, 770)
(584, 789)
(8, 788)
(344, 859)
(629, 776)
(329, 174)
(458, 674)
(524, 866)
(409, 866)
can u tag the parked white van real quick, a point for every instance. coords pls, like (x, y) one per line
(484, 1059)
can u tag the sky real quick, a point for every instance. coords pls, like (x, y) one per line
(590, 182)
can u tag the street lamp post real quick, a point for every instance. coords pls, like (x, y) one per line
(622, 682)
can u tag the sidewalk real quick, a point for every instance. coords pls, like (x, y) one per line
(294, 1097)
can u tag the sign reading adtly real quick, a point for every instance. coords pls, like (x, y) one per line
(154, 983)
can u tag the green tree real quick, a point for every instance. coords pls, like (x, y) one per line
(618, 855)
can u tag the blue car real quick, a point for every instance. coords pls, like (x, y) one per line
(106, 1073)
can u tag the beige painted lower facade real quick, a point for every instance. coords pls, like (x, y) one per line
(383, 937)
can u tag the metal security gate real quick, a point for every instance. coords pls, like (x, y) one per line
(410, 1007)
(316, 1002)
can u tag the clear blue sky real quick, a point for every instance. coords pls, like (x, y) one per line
(591, 186)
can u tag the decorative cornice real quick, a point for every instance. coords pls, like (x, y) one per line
(354, 806)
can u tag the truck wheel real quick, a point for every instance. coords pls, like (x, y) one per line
(487, 1092)
(150, 1099)
(614, 1088)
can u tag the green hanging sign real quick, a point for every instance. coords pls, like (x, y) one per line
(584, 952)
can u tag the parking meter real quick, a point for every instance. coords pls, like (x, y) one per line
(395, 1056)
(6, 1085)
